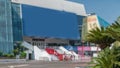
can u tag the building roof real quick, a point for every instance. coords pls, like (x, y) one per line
(61, 5)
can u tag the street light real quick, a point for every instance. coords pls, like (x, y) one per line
(83, 48)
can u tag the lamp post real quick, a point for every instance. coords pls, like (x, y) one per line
(83, 48)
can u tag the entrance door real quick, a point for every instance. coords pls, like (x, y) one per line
(30, 56)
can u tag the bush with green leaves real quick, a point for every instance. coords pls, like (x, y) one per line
(22, 54)
(1, 53)
(19, 49)
(8, 55)
(116, 51)
(107, 58)
(16, 51)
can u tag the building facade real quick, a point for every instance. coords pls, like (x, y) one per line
(91, 22)
(56, 14)
(7, 26)
(56, 18)
(17, 22)
(44, 42)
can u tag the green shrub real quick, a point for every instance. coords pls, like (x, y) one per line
(108, 58)
(16, 51)
(8, 55)
(1, 54)
(4, 55)
(22, 54)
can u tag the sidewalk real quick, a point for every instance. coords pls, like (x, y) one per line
(2, 61)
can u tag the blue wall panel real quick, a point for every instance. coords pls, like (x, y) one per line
(52, 23)
(102, 22)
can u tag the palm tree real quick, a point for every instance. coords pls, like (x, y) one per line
(107, 59)
(114, 30)
(99, 36)
(118, 19)
(116, 51)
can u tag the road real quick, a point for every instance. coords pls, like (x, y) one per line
(43, 64)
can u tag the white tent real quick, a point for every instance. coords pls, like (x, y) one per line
(59, 51)
(70, 53)
(41, 54)
(76, 56)
(65, 50)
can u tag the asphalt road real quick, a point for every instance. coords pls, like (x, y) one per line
(44, 64)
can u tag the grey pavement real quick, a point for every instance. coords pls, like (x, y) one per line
(45, 64)
(12, 60)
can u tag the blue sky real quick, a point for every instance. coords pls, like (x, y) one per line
(107, 9)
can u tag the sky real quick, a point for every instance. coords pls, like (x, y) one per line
(107, 9)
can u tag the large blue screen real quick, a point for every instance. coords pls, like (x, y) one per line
(39, 21)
